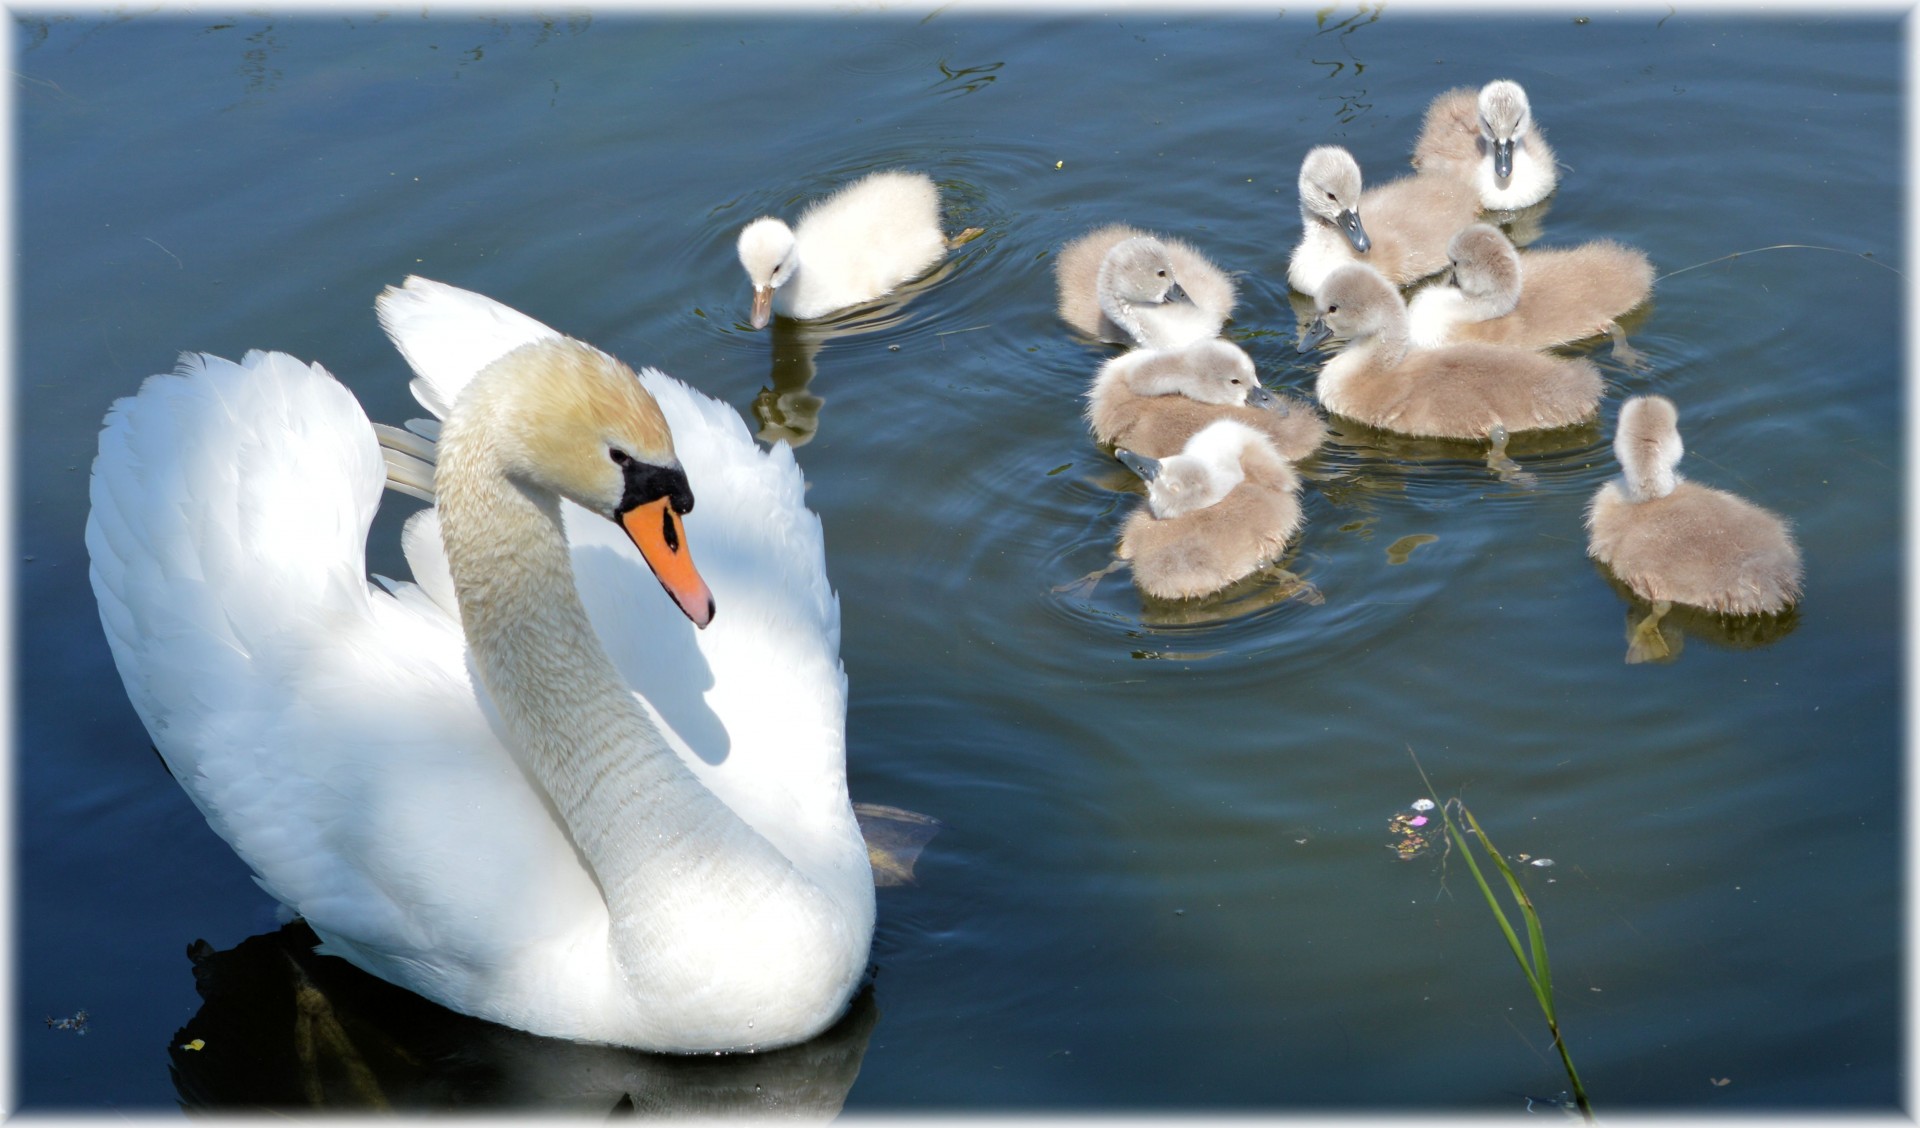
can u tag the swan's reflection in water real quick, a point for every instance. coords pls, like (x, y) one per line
(282, 1028)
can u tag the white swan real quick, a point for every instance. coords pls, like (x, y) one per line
(1121, 284)
(851, 247)
(673, 868)
(1488, 139)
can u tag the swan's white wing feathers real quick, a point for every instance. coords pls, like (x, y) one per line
(303, 710)
(448, 335)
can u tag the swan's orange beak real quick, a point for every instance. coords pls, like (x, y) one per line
(658, 534)
(762, 307)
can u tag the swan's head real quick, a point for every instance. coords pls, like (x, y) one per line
(1647, 442)
(1330, 192)
(564, 417)
(1210, 371)
(1205, 471)
(1355, 302)
(1138, 271)
(1505, 118)
(767, 251)
(1485, 265)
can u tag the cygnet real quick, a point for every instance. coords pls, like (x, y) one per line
(1120, 284)
(1465, 391)
(1151, 401)
(1222, 507)
(1489, 140)
(856, 245)
(1672, 541)
(1401, 228)
(1533, 300)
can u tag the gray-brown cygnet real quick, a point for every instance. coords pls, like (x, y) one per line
(1124, 285)
(1672, 541)
(1488, 139)
(1151, 401)
(1401, 228)
(1222, 507)
(1465, 391)
(1534, 300)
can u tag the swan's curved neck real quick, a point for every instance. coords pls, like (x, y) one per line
(638, 817)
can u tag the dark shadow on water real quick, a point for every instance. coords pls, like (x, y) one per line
(282, 1029)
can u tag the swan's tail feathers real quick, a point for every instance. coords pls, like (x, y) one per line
(410, 461)
(448, 334)
(223, 494)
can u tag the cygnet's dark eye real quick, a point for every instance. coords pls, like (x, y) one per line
(620, 457)
(1159, 274)
(1235, 380)
(1333, 309)
(1331, 196)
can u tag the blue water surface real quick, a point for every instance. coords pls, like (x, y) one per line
(1166, 880)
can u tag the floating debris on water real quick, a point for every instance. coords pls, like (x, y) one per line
(1409, 842)
(196, 1044)
(77, 1023)
(1422, 804)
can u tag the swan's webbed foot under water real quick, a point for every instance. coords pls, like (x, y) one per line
(965, 237)
(1296, 587)
(1630, 358)
(1084, 586)
(1501, 463)
(894, 839)
(1647, 641)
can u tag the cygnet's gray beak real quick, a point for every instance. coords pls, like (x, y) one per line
(1147, 468)
(1502, 160)
(1265, 400)
(1175, 294)
(1356, 235)
(1316, 333)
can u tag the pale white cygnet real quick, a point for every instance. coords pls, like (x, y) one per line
(856, 245)
(1464, 391)
(1670, 540)
(1400, 228)
(1535, 300)
(1223, 506)
(1488, 139)
(1151, 401)
(1120, 284)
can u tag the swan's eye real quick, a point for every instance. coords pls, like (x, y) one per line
(1235, 381)
(1159, 274)
(620, 457)
(1333, 309)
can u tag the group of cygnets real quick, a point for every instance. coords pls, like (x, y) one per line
(1474, 355)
